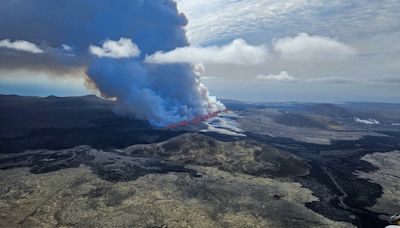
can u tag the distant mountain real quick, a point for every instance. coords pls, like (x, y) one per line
(241, 105)
(299, 120)
(327, 110)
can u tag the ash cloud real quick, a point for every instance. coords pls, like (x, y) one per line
(120, 34)
(51, 25)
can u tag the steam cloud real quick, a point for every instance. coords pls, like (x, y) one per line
(161, 94)
(111, 39)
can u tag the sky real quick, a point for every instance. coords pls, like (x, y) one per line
(251, 50)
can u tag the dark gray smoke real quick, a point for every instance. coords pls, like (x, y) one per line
(159, 93)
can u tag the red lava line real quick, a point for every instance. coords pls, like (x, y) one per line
(195, 120)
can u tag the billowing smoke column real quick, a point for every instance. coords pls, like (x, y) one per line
(160, 93)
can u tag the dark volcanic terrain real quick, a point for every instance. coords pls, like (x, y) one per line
(74, 162)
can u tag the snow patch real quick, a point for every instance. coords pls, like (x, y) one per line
(225, 124)
(369, 121)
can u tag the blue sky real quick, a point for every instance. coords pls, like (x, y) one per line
(255, 50)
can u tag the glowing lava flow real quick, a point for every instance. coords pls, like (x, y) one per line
(195, 120)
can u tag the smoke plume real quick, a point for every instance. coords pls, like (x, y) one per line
(161, 94)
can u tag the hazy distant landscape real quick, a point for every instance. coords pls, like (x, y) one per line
(251, 165)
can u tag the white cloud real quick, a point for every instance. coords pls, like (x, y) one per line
(306, 47)
(66, 47)
(301, 47)
(123, 48)
(237, 52)
(282, 76)
(20, 45)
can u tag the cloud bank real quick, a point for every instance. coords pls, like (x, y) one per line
(236, 52)
(258, 20)
(306, 47)
(302, 47)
